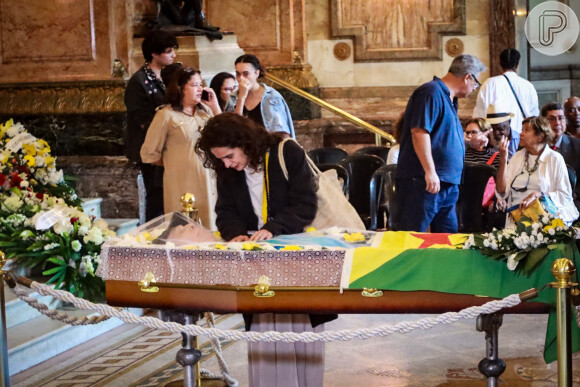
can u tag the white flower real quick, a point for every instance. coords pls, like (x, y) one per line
(552, 231)
(486, 242)
(63, 226)
(545, 219)
(13, 203)
(16, 219)
(51, 246)
(39, 161)
(14, 130)
(94, 235)
(76, 245)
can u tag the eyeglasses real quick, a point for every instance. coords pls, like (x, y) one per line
(230, 89)
(524, 188)
(556, 118)
(477, 84)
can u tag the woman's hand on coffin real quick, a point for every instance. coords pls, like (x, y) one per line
(240, 238)
(261, 235)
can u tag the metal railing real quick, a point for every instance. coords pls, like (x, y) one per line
(379, 133)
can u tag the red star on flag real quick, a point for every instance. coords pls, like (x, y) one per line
(433, 239)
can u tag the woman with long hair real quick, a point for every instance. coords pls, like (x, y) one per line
(171, 141)
(256, 202)
(260, 102)
(224, 84)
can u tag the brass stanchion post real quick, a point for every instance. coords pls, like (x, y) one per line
(563, 270)
(4, 373)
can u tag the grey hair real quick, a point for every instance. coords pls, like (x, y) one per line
(466, 64)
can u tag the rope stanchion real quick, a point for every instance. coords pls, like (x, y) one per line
(288, 337)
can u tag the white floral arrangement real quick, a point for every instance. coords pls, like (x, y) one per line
(524, 245)
(41, 221)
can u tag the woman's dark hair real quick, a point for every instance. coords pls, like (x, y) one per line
(178, 80)
(216, 84)
(156, 43)
(168, 72)
(254, 61)
(230, 130)
(540, 125)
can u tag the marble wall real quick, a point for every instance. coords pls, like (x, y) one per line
(332, 72)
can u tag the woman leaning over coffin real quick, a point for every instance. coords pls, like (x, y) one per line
(255, 202)
(535, 171)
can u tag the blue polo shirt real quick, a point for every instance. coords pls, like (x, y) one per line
(430, 107)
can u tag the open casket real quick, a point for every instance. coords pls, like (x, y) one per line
(385, 272)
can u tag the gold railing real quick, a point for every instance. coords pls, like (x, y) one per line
(347, 116)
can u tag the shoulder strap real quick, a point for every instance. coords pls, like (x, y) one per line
(313, 168)
(515, 95)
(281, 157)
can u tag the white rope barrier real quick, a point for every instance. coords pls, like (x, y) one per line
(287, 337)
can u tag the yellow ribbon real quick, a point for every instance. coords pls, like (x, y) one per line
(265, 190)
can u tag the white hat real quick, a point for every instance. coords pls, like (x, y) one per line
(495, 116)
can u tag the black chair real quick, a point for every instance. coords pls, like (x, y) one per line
(380, 151)
(327, 155)
(360, 170)
(341, 172)
(469, 205)
(383, 198)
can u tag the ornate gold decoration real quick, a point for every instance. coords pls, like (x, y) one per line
(563, 270)
(145, 283)
(188, 205)
(62, 98)
(372, 292)
(3, 261)
(119, 70)
(262, 289)
(454, 47)
(341, 51)
(299, 75)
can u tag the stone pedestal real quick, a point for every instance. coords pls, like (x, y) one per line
(209, 56)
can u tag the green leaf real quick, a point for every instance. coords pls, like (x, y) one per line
(53, 270)
(534, 258)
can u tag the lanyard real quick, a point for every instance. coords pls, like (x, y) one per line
(266, 190)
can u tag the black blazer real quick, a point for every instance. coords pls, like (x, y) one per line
(142, 97)
(292, 204)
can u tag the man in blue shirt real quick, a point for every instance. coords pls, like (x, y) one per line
(432, 149)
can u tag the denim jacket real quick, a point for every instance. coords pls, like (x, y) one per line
(275, 112)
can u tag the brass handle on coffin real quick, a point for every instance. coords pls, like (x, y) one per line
(145, 283)
(372, 292)
(262, 289)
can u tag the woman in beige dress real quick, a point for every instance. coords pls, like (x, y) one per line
(170, 142)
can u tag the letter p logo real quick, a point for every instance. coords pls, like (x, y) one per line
(552, 28)
(552, 21)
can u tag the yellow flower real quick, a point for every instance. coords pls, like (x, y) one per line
(311, 229)
(555, 223)
(220, 246)
(44, 145)
(526, 223)
(49, 161)
(217, 235)
(30, 160)
(354, 237)
(30, 149)
(291, 247)
(147, 236)
(250, 245)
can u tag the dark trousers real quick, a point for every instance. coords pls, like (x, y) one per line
(153, 181)
(418, 208)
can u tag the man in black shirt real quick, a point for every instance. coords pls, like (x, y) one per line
(144, 93)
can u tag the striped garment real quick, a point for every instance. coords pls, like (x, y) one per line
(482, 156)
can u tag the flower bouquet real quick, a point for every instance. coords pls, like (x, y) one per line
(524, 245)
(41, 222)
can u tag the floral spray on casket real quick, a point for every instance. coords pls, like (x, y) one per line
(41, 222)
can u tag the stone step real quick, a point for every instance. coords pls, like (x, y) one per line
(18, 312)
(92, 206)
(121, 226)
(40, 338)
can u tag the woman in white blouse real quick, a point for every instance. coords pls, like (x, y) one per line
(535, 171)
